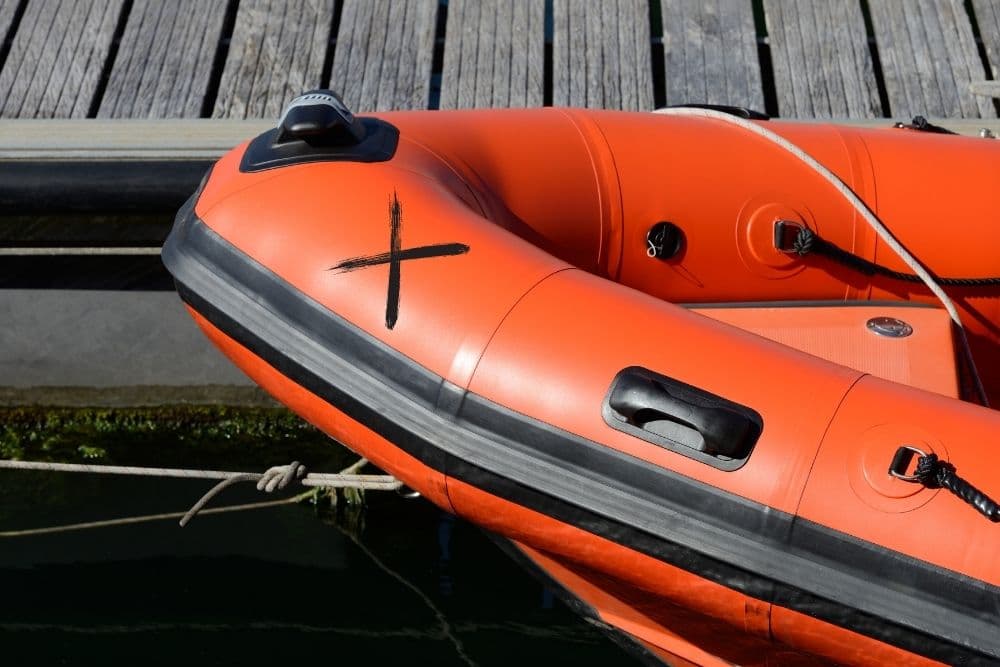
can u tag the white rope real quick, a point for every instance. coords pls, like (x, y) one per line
(146, 518)
(869, 217)
(325, 480)
(273, 479)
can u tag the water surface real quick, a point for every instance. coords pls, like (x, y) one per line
(398, 583)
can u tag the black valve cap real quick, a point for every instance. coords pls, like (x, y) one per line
(320, 118)
(664, 240)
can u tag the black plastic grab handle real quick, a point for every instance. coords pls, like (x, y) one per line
(653, 407)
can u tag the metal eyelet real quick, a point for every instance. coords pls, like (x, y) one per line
(901, 461)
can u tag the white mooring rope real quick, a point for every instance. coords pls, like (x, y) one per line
(869, 217)
(272, 479)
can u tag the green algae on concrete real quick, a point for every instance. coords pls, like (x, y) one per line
(188, 436)
(212, 437)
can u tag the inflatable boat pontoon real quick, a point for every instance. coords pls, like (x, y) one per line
(691, 365)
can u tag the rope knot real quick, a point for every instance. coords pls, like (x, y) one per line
(932, 472)
(927, 470)
(278, 477)
(272, 479)
(804, 240)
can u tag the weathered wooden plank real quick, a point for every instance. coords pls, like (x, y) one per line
(485, 59)
(710, 53)
(560, 56)
(276, 52)
(8, 8)
(54, 66)
(461, 49)
(929, 57)
(529, 21)
(630, 54)
(601, 54)
(822, 63)
(988, 18)
(494, 54)
(384, 53)
(381, 15)
(141, 48)
(350, 55)
(131, 139)
(607, 21)
(593, 56)
(164, 61)
(390, 71)
(499, 91)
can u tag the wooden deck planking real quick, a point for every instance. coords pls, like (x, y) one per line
(710, 53)
(277, 51)
(484, 64)
(929, 57)
(494, 54)
(164, 62)
(8, 9)
(821, 59)
(988, 18)
(54, 66)
(384, 54)
(601, 54)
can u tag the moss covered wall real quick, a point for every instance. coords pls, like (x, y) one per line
(183, 436)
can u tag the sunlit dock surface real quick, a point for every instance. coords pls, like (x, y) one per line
(246, 58)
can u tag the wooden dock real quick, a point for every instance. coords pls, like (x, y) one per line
(245, 58)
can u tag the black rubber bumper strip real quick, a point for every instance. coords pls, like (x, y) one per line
(746, 546)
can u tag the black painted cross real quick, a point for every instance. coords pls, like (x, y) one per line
(395, 257)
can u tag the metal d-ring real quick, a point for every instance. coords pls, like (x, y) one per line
(901, 461)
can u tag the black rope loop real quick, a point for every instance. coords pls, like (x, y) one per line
(807, 241)
(934, 473)
(929, 469)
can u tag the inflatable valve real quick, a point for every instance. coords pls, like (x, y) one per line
(664, 240)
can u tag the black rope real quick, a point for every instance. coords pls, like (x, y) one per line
(807, 241)
(934, 474)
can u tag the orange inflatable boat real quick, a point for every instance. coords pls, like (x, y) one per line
(704, 371)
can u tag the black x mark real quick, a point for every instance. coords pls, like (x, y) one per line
(395, 257)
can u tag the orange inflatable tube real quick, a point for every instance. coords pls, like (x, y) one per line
(599, 334)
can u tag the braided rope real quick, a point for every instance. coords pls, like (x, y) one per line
(807, 241)
(934, 473)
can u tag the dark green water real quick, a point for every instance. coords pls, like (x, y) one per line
(399, 583)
